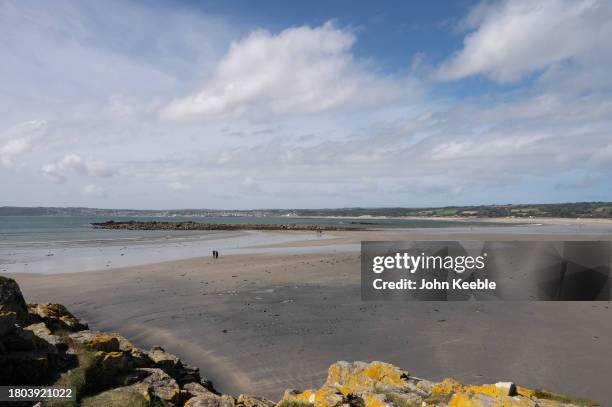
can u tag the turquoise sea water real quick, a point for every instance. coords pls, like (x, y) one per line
(59, 244)
(78, 228)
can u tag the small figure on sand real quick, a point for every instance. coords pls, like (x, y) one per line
(215, 254)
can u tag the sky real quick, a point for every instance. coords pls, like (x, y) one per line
(275, 104)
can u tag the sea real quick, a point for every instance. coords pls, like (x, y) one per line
(78, 228)
(63, 244)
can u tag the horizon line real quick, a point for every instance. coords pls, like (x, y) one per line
(307, 209)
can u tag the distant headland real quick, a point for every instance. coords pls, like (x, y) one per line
(594, 210)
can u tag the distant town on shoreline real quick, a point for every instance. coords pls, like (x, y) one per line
(601, 210)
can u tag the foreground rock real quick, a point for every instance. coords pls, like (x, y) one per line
(189, 225)
(380, 384)
(11, 299)
(44, 344)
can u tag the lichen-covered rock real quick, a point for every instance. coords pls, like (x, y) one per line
(124, 344)
(55, 316)
(375, 384)
(113, 342)
(12, 300)
(475, 399)
(187, 374)
(163, 359)
(211, 400)
(195, 389)
(451, 393)
(112, 362)
(140, 358)
(45, 339)
(173, 366)
(252, 401)
(96, 340)
(379, 384)
(163, 387)
(324, 397)
(376, 400)
(357, 377)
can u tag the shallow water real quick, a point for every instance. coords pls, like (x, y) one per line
(44, 229)
(58, 244)
(57, 257)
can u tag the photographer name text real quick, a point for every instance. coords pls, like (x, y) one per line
(424, 284)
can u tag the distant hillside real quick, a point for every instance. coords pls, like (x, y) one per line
(560, 210)
(52, 211)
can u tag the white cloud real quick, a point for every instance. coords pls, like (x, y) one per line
(300, 70)
(295, 118)
(19, 139)
(514, 38)
(57, 172)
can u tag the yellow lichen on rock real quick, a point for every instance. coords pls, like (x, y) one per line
(351, 378)
(380, 384)
(524, 391)
(97, 341)
(56, 315)
(446, 386)
(375, 400)
(102, 342)
(293, 397)
(474, 399)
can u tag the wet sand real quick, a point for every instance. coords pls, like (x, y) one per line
(261, 323)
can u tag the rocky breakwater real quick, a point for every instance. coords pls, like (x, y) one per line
(44, 344)
(189, 225)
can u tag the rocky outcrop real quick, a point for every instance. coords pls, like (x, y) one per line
(44, 344)
(189, 225)
(379, 384)
(11, 299)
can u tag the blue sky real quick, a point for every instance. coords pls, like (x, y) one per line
(238, 104)
(386, 30)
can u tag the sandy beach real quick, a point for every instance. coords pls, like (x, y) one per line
(261, 323)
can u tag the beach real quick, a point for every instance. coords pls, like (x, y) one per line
(276, 316)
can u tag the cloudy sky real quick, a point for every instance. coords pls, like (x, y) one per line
(273, 104)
